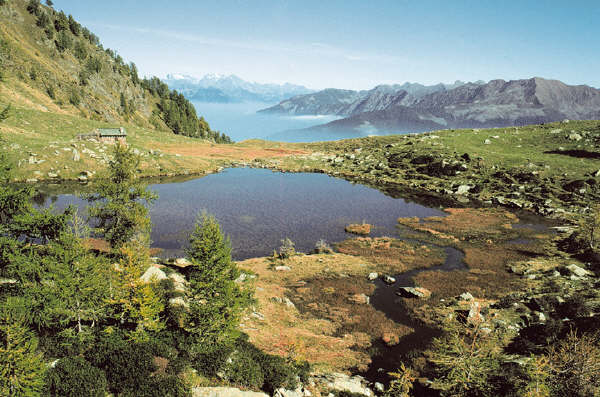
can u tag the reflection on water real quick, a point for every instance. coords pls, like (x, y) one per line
(258, 208)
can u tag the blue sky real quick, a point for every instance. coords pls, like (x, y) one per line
(350, 43)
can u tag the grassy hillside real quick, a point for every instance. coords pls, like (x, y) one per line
(50, 63)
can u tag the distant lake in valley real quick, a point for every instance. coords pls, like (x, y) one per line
(258, 208)
(241, 121)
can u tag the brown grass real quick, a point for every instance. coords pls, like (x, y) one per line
(325, 328)
(392, 255)
(230, 152)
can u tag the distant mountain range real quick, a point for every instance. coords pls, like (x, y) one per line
(415, 107)
(231, 89)
(333, 101)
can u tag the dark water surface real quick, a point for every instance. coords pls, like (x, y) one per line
(258, 208)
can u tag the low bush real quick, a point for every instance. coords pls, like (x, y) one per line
(243, 370)
(127, 365)
(159, 386)
(287, 249)
(246, 365)
(75, 377)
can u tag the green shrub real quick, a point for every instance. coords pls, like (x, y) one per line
(277, 372)
(74, 98)
(63, 41)
(210, 361)
(75, 377)
(159, 386)
(126, 364)
(244, 370)
(575, 365)
(50, 91)
(287, 248)
(80, 50)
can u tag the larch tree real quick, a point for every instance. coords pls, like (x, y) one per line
(216, 300)
(120, 204)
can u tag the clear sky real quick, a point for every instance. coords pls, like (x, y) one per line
(352, 43)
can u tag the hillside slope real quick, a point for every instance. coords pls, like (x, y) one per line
(50, 63)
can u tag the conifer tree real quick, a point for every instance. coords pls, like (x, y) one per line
(140, 304)
(4, 114)
(216, 300)
(119, 206)
(22, 366)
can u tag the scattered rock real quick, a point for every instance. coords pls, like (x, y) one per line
(352, 384)
(182, 262)
(373, 276)
(487, 142)
(575, 137)
(289, 303)
(153, 274)
(224, 392)
(283, 268)
(388, 279)
(258, 316)
(76, 155)
(31, 180)
(578, 271)
(361, 299)
(463, 189)
(178, 301)
(414, 292)
(179, 282)
(289, 393)
(466, 296)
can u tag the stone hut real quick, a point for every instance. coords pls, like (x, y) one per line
(107, 135)
(112, 135)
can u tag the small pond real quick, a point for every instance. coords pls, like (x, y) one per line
(258, 208)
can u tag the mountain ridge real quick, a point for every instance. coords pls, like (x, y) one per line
(218, 88)
(341, 102)
(498, 103)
